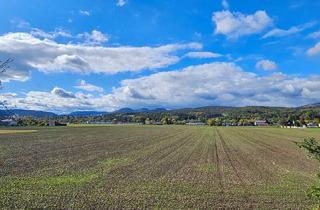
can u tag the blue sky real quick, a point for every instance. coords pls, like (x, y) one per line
(105, 55)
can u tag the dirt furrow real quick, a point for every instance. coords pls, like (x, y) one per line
(218, 165)
(234, 161)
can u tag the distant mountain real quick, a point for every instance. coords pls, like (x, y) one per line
(211, 111)
(27, 113)
(86, 113)
(316, 105)
(159, 110)
(142, 110)
(124, 110)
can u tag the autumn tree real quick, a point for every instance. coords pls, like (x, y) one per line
(312, 146)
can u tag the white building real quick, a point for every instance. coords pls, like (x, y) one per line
(9, 122)
(260, 123)
(311, 125)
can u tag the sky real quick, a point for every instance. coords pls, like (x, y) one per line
(109, 54)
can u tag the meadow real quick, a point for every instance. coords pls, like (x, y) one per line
(155, 167)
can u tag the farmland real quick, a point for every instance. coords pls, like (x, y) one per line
(146, 167)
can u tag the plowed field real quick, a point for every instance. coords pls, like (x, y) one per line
(147, 167)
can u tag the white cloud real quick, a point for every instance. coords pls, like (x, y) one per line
(293, 30)
(223, 84)
(39, 33)
(225, 4)
(84, 13)
(234, 25)
(266, 65)
(10, 95)
(57, 100)
(83, 85)
(30, 52)
(315, 50)
(20, 23)
(59, 92)
(202, 55)
(94, 38)
(209, 84)
(314, 35)
(121, 3)
(58, 32)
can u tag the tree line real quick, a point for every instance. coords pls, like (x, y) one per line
(214, 117)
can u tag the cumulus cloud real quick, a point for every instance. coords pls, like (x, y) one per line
(50, 35)
(83, 85)
(61, 93)
(9, 94)
(84, 13)
(30, 52)
(94, 38)
(314, 35)
(266, 65)
(293, 30)
(315, 50)
(234, 25)
(202, 55)
(223, 84)
(121, 3)
(57, 100)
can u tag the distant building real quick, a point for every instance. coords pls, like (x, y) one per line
(260, 123)
(99, 123)
(55, 123)
(227, 124)
(8, 122)
(311, 125)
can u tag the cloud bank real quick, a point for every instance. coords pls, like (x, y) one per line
(46, 55)
(215, 83)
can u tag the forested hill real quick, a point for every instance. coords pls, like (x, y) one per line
(274, 115)
(26, 113)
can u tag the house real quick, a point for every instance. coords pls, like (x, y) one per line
(260, 123)
(227, 124)
(8, 122)
(54, 123)
(311, 125)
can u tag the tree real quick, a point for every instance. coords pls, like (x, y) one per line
(166, 121)
(212, 122)
(313, 148)
(4, 65)
(317, 121)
